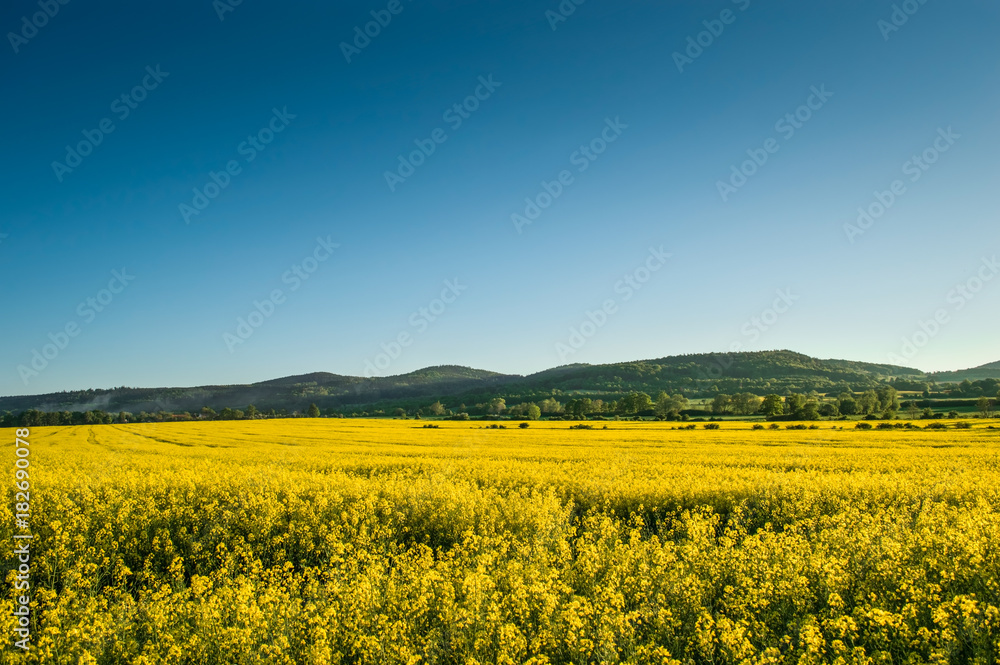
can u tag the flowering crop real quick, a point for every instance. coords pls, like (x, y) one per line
(371, 542)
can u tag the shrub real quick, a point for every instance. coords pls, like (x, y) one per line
(935, 426)
(863, 426)
(711, 425)
(523, 425)
(757, 426)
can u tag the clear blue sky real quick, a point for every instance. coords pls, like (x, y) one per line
(552, 91)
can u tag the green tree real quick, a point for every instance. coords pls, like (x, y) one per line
(533, 412)
(551, 405)
(888, 398)
(846, 404)
(869, 402)
(772, 405)
(252, 412)
(794, 404)
(437, 408)
(745, 404)
(985, 406)
(497, 405)
(518, 410)
(721, 403)
(313, 411)
(634, 402)
(670, 406)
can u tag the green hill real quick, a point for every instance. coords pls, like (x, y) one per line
(988, 371)
(693, 375)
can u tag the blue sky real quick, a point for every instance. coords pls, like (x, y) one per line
(519, 293)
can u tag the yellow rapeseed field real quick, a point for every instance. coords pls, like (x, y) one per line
(384, 542)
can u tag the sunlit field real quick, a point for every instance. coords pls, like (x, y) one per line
(354, 541)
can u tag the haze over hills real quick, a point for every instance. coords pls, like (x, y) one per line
(693, 375)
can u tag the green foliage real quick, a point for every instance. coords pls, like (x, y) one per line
(772, 405)
(633, 403)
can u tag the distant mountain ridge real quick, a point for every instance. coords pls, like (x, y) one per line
(693, 375)
(987, 371)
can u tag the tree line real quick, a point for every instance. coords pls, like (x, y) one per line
(882, 402)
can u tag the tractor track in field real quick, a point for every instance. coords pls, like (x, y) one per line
(153, 438)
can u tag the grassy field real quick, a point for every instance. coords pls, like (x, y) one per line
(350, 541)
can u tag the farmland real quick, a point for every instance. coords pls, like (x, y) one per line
(383, 541)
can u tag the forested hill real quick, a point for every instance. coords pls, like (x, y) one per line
(760, 372)
(693, 375)
(290, 393)
(988, 371)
